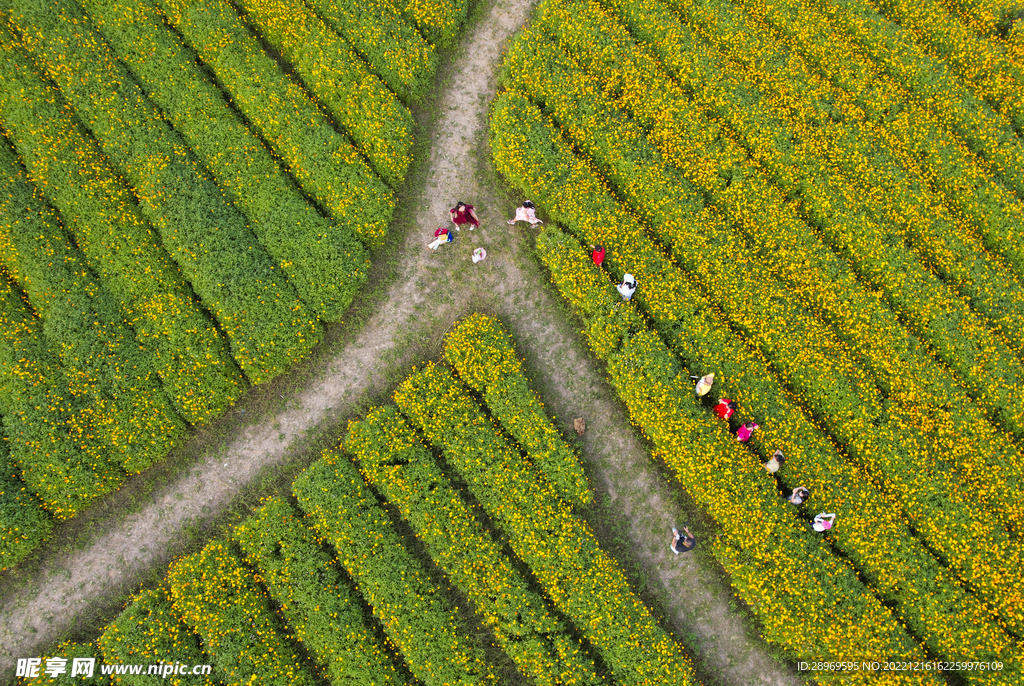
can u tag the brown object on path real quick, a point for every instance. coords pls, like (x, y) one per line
(579, 425)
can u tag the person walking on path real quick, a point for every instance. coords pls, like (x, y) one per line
(441, 236)
(463, 214)
(681, 544)
(627, 287)
(744, 433)
(799, 495)
(526, 213)
(598, 254)
(823, 521)
(725, 408)
(775, 462)
(704, 384)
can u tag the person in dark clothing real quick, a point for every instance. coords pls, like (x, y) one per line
(680, 543)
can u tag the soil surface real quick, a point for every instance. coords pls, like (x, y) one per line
(131, 539)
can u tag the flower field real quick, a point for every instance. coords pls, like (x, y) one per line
(855, 286)
(179, 218)
(301, 570)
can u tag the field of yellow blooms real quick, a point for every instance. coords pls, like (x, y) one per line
(855, 285)
(179, 218)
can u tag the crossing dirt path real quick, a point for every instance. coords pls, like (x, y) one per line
(430, 290)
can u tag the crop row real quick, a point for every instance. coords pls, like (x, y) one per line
(82, 324)
(48, 429)
(190, 355)
(719, 167)
(580, 200)
(394, 460)
(983, 16)
(391, 45)
(323, 260)
(148, 632)
(268, 326)
(577, 575)
(214, 594)
(318, 603)
(884, 97)
(437, 647)
(851, 171)
(482, 354)
(704, 242)
(977, 60)
(324, 162)
(67, 651)
(814, 364)
(358, 101)
(24, 524)
(438, 20)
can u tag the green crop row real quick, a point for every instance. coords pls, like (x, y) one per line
(850, 169)
(68, 651)
(396, 462)
(776, 568)
(440, 21)
(267, 325)
(701, 150)
(977, 60)
(191, 357)
(437, 647)
(48, 429)
(358, 101)
(705, 244)
(482, 354)
(319, 604)
(526, 147)
(578, 576)
(324, 162)
(391, 45)
(989, 134)
(215, 596)
(324, 260)
(148, 632)
(24, 524)
(81, 322)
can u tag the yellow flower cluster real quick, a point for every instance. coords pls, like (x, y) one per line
(148, 631)
(258, 308)
(437, 646)
(438, 20)
(389, 42)
(578, 576)
(357, 99)
(480, 350)
(396, 462)
(872, 532)
(318, 602)
(24, 524)
(214, 595)
(191, 357)
(325, 261)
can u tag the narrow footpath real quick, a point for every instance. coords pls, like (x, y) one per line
(430, 292)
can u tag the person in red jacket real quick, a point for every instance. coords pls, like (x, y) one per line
(463, 214)
(725, 408)
(598, 255)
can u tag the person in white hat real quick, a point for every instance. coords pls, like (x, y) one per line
(823, 521)
(627, 286)
(704, 384)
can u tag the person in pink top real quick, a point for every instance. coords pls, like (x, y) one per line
(744, 433)
(526, 213)
(823, 521)
(463, 214)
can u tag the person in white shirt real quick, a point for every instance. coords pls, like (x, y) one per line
(627, 287)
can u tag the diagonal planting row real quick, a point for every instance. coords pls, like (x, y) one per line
(394, 460)
(581, 580)
(357, 100)
(869, 529)
(692, 325)
(719, 168)
(323, 260)
(268, 326)
(23, 521)
(703, 242)
(327, 166)
(482, 354)
(82, 324)
(99, 212)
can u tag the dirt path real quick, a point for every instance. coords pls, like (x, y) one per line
(430, 291)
